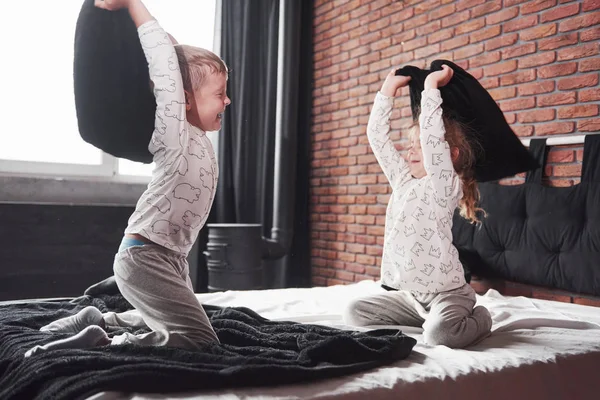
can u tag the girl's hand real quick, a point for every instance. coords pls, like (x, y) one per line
(438, 79)
(112, 5)
(393, 82)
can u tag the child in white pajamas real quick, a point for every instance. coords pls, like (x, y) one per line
(150, 267)
(420, 266)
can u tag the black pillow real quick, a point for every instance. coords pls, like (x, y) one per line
(500, 152)
(114, 103)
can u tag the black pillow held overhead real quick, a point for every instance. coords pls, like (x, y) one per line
(501, 154)
(114, 103)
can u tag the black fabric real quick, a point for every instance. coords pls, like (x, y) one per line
(249, 44)
(253, 352)
(114, 103)
(499, 152)
(539, 235)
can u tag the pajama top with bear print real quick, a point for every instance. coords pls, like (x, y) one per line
(178, 199)
(418, 254)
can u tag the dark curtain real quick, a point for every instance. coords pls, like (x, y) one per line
(249, 46)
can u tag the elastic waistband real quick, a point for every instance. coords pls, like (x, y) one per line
(129, 242)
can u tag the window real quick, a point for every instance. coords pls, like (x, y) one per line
(39, 132)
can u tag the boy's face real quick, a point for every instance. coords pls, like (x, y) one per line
(207, 104)
(414, 157)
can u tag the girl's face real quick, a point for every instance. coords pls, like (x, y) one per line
(414, 157)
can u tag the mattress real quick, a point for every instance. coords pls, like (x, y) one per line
(538, 349)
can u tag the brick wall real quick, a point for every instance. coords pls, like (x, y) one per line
(539, 59)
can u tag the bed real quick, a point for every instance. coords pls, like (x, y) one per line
(539, 349)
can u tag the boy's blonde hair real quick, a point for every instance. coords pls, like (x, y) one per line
(196, 64)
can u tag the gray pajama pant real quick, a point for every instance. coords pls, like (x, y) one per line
(447, 318)
(156, 282)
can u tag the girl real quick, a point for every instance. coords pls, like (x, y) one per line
(420, 266)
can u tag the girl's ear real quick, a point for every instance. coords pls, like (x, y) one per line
(454, 153)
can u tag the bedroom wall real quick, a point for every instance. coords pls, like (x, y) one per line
(539, 60)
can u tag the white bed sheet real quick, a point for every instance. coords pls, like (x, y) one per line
(538, 350)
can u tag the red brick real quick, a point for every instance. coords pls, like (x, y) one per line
(557, 41)
(502, 16)
(536, 116)
(486, 8)
(536, 6)
(440, 35)
(557, 99)
(538, 32)
(518, 77)
(567, 170)
(586, 110)
(537, 60)
(587, 301)
(536, 88)
(442, 12)
(589, 125)
(415, 21)
(455, 18)
(562, 156)
(503, 93)
(501, 68)
(502, 41)
(560, 182)
(490, 83)
(464, 4)
(589, 65)
(484, 34)
(426, 51)
(582, 21)
(589, 95)
(319, 281)
(365, 259)
(485, 59)
(413, 44)
(579, 51)
(518, 51)
(468, 51)
(511, 118)
(429, 28)
(578, 82)
(454, 43)
(471, 26)
(424, 6)
(590, 34)
(555, 70)
(589, 5)
(560, 12)
(554, 128)
(522, 130)
(517, 104)
(520, 24)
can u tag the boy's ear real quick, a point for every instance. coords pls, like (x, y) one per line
(188, 106)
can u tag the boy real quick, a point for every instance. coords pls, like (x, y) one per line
(150, 267)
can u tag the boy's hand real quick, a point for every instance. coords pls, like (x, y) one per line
(438, 79)
(112, 5)
(392, 83)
